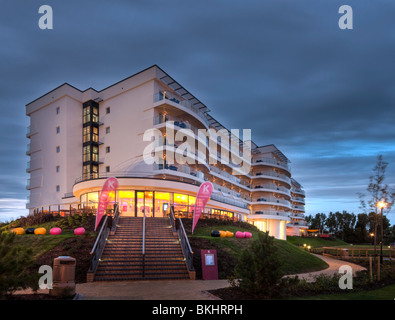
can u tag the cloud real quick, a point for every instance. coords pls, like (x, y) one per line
(323, 96)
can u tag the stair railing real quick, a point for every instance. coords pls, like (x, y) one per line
(116, 218)
(143, 247)
(178, 227)
(98, 247)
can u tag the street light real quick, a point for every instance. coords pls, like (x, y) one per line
(381, 205)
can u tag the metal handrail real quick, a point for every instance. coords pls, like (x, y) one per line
(185, 245)
(98, 246)
(143, 246)
(116, 217)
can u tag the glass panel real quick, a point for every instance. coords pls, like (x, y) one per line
(93, 199)
(140, 204)
(162, 204)
(149, 209)
(180, 202)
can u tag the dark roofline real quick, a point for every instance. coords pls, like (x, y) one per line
(90, 88)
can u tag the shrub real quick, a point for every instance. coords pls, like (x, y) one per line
(13, 260)
(258, 270)
(35, 219)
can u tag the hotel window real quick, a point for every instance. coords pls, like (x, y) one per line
(57, 110)
(107, 130)
(57, 169)
(107, 149)
(108, 169)
(57, 188)
(57, 149)
(108, 110)
(95, 134)
(57, 129)
(86, 134)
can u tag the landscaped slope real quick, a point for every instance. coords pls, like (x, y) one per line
(294, 259)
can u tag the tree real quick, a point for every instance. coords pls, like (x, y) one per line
(377, 191)
(318, 222)
(258, 271)
(13, 261)
(362, 228)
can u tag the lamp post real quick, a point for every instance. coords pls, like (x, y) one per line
(381, 205)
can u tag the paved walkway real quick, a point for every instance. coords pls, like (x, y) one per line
(175, 289)
(150, 289)
(334, 265)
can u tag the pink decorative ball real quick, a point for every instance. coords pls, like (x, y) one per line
(240, 235)
(79, 231)
(55, 231)
(247, 234)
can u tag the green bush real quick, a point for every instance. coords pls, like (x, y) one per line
(13, 261)
(258, 270)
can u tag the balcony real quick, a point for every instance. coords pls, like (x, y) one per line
(184, 105)
(262, 214)
(270, 187)
(271, 162)
(228, 200)
(297, 216)
(185, 170)
(271, 201)
(271, 175)
(297, 199)
(298, 208)
(299, 191)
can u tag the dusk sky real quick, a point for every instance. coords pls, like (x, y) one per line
(284, 69)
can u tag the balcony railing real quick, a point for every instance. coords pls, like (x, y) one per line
(271, 212)
(271, 186)
(300, 208)
(273, 200)
(263, 160)
(298, 191)
(228, 200)
(186, 104)
(273, 174)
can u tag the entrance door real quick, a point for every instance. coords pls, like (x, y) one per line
(144, 203)
(126, 202)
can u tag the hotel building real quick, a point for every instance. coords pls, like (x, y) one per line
(80, 138)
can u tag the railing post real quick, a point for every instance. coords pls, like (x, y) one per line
(143, 247)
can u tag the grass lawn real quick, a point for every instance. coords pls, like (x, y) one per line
(41, 243)
(295, 260)
(385, 293)
(316, 242)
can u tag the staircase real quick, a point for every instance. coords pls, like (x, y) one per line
(122, 257)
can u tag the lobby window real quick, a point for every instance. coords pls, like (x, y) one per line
(57, 188)
(108, 149)
(57, 129)
(57, 149)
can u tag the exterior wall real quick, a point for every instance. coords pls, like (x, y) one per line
(44, 157)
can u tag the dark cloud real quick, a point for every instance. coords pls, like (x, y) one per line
(325, 97)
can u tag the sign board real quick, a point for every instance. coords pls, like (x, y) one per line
(209, 264)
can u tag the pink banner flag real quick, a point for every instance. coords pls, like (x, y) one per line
(106, 196)
(202, 197)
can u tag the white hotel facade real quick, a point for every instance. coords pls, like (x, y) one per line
(80, 138)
